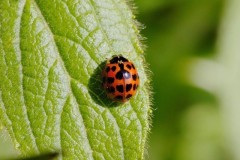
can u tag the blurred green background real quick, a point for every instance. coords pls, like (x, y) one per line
(187, 120)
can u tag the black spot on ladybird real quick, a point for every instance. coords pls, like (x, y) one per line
(128, 87)
(121, 66)
(119, 75)
(110, 80)
(134, 87)
(128, 66)
(113, 68)
(134, 77)
(119, 88)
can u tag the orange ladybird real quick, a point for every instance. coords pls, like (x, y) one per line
(120, 79)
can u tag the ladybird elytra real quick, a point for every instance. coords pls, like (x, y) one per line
(120, 79)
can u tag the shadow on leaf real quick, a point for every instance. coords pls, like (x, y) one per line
(96, 90)
(47, 156)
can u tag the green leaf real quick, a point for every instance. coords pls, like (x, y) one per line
(51, 55)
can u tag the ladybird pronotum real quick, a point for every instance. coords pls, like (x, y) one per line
(120, 79)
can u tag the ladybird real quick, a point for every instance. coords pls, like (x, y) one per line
(120, 79)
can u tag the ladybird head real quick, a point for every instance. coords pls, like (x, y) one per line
(117, 59)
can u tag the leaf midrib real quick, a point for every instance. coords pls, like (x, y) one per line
(71, 78)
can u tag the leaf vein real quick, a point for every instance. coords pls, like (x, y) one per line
(45, 97)
(100, 26)
(74, 41)
(22, 75)
(61, 60)
(112, 116)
